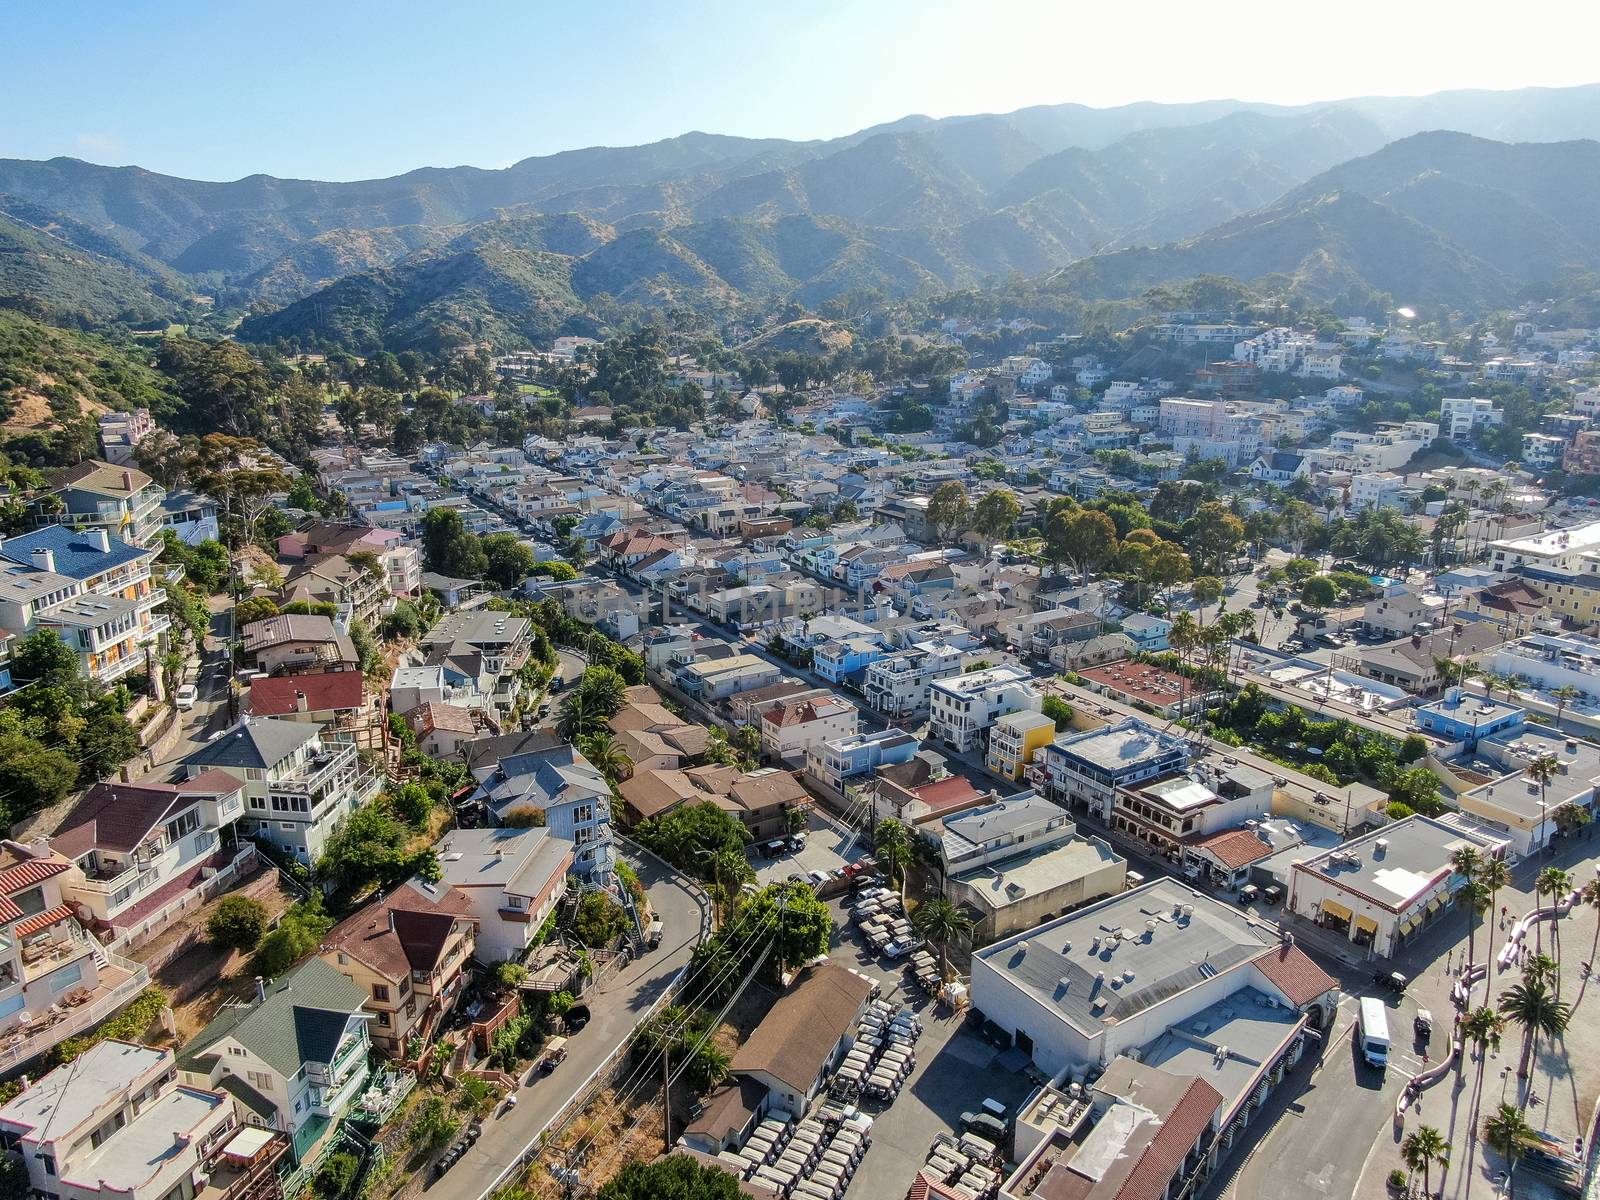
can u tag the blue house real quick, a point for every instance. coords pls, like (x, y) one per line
(841, 659)
(1463, 717)
(1149, 633)
(844, 761)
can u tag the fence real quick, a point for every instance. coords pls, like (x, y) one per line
(242, 863)
(616, 1063)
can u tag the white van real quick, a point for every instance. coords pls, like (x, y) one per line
(1374, 1032)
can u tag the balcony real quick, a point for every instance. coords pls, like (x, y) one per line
(319, 770)
(120, 981)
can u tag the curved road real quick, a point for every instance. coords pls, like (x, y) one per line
(615, 1012)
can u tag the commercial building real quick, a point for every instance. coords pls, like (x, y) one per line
(1115, 976)
(1381, 890)
(1461, 717)
(1084, 770)
(1560, 549)
(1516, 806)
(964, 707)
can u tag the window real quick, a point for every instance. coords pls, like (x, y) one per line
(259, 1080)
(383, 1019)
(380, 991)
(66, 977)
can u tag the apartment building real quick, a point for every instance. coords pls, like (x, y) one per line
(115, 1124)
(294, 1057)
(899, 685)
(847, 761)
(1085, 770)
(299, 782)
(93, 589)
(962, 708)
(1558, 550)
(409, 952)
(1461, 417)
(1014, 741)
(486, 649)
(511, 880)
(358, 591)
(517, 772)
(121, 433)
(56, 980)
(123, 502)
(790, 728)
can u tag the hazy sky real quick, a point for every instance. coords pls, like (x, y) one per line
(346, 89)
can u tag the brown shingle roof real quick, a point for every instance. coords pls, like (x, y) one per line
(800, 1031)
(402, 932)
(276, 696)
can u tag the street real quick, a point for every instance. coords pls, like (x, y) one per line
(614, 1014)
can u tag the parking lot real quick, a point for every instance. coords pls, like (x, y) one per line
(828, 848)
(955, 1071)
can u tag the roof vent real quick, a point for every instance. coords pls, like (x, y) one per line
(1380, 847)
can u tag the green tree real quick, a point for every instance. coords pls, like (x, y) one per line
(1508, 1134)
(237, 923)
(1059, 711)
(1494, 874)
(413, 804)
(507, 560)
(727, 870)
(1532, 1006)
(599, 920)
(690, 832)
(33, 776)
(43, 657)
(806, 924)
(336, 1176)
(365, 849)
(1319, 592)
(996, 514)
(449, 548)
(606, 755)
(948, 511)
(1417, 788)
(1423, 1147)
(892, 847)
(299, 932)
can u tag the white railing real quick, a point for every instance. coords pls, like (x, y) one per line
(15, 1053)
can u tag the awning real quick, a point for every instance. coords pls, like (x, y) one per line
(1435, 904)
(1366, 925)
(1331, 908)
(1408, 925)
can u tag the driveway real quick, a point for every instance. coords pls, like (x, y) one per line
(616, 1011)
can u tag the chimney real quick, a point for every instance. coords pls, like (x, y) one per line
(44, 559)
(300, 704)
(100, 539)
(127, 481)
(261, 990)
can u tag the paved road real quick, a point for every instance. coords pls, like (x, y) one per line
(210, 712)
(615, 1013)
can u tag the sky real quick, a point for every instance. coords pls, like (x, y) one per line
(351, 89)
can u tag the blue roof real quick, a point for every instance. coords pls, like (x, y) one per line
(77, 557)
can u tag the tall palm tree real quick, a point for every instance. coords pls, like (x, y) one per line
(1482, 1027)
(892, 846)
(1542, 770)
(1563, 695)
(605, 755)
(1494, 875)
(1509, 1134)
(939, 921)
(1423, 1147)
(1477, 900)
(1555, 883)
(1590, 897)
(579, 717)
(1531, 1005)
(727, 870)
(1466, 861)
(1183, 637)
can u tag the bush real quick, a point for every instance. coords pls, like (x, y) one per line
(526, 816)
(299, 933)
(336, 1176)
(1058, 710)
(600, 919)
(238, 923)
(129, 1026)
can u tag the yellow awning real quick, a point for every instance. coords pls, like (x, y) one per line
(1366, 925)
(1331, 908)
(1435, 904)
(1408, 925)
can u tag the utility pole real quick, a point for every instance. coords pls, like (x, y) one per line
(666, 1097)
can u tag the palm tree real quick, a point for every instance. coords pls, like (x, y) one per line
(1555, 883)
(1422, 1148)
(1534, 1007)
(1509, 1134)
(605, 755)
(1183, 637)
(891, 842)
(1482, 1027)
(1466, 861)
(1542, 770)
(1563, 695)
(727, 870)
(939, 921)
(579, 718)
(1477, 900)
(1494, 875)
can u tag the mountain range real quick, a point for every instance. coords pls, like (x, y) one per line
(1458, 199)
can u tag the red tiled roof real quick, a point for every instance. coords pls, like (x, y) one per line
(1152, 1174)
(8, 911)
(25, 874)
(334, 689)
(43, 920)
(1288, 969)
(927, 1186)
(1234, 848)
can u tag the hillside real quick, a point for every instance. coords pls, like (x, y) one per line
(49, 374)
(59, 270)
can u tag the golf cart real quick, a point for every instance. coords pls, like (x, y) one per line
(553, 1054)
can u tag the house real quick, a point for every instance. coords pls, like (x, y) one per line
(1382, 890)
(1279, 466)
(299, 783)
(1085, 770)
(443, 729)
(844, 762)
(963, 707)
(1014, 739)
(803, 1037)
(653, 737)
(898, 686)
(140, 853)
(95, 590)
(408, 951)
(121, 433)
(358, 589)
(1402, 613)
(335, 700)
(294, 1058)
(1148, 633)
(56, 981)
(789, 729)
(1058, 991)
(296, 643)
(487, 648)
(114, 1124)
(650, 791)
(517, 772)
(452, 592)
(512, 880)
(1078, 656)
(718, 679)
(122, 502)
(423, 683)
(191, 517)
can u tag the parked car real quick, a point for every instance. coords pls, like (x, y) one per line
(185, 697)
(985, 1125)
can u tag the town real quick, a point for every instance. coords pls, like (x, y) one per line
(1047, 766)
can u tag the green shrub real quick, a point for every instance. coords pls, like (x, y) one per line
(237, 923)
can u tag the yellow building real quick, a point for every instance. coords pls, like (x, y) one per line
(1574, 595)
(1014, 740)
